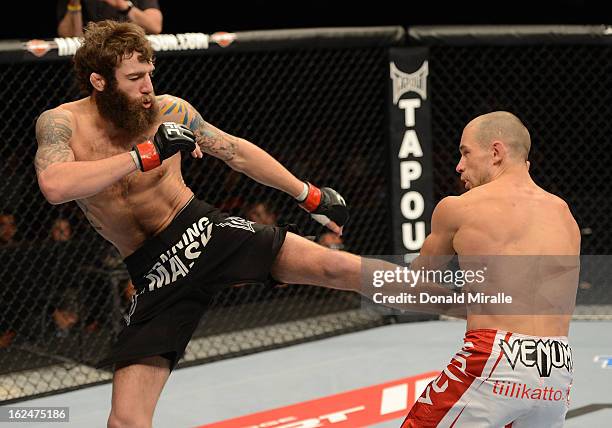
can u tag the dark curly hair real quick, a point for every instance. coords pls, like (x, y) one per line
(104, 45)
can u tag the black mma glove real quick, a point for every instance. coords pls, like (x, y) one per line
(325, 205)
(169, 139)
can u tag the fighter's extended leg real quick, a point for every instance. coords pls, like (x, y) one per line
(301, 261)
(136, 389)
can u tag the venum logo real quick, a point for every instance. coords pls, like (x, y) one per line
(412, 203)
(544, 354)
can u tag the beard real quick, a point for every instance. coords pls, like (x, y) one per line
(127, 115)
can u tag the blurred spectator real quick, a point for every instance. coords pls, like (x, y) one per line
(15, 182)
(112, 259)
(6, 338)
(73, 15)
(65, 314)
(129, 291)
(61, 230)
(234, 202)
(262, 213)
(126, 292)
(8, 229)
(232, 205)
(64, 319)
(15, 301)
(331, 240)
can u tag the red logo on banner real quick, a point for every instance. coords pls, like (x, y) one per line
(359, 407)
(38, 47)
(223, 39)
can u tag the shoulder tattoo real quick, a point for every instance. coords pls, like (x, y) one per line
(53, 133)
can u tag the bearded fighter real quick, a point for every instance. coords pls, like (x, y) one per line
(117, 154)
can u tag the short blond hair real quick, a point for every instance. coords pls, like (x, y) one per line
(505, 127)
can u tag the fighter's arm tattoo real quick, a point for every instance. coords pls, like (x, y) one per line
(210, 139)
(53, 133)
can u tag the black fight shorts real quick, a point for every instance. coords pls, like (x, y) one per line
(176, 273)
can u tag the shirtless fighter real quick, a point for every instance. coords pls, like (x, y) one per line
(515, 368)
(117, 154)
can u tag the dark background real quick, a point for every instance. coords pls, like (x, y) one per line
(208, 16)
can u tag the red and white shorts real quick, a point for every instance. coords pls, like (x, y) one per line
(499, 379)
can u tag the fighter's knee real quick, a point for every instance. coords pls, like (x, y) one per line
(127, 420)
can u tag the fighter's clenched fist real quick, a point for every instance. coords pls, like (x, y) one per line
(169, 139)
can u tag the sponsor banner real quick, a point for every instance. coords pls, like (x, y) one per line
(178, 42)
(410, 147)
(67, 46)
(357, 408)
(605, 361)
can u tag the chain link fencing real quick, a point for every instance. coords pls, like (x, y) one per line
(322, 113)
(562, 94)
(319, 112)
